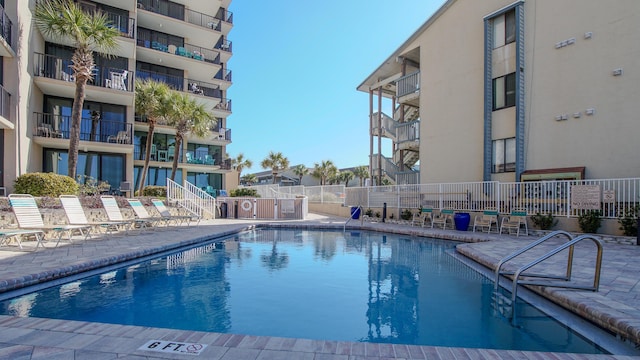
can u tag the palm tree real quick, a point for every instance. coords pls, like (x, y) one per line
(151, 102)
(361, 172)
(346, 176)
(187, 116)
(239, 163)
(276, 162)
(64, 19)
(250, 179)
(324, 171)
(300, 171)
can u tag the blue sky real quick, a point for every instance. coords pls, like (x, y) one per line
(296, 66)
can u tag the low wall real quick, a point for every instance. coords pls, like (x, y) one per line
(608, 227)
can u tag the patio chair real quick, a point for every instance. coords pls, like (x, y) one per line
(143, 214)
(29, 218)
(422, 216)
(164, 211)
(6, 235)
(76, 216)
(487, 220)
(516, 220)
(444, 218)
(114, 214)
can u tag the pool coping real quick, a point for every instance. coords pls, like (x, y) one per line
(621, 326)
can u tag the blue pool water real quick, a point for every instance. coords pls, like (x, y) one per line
(329, 285)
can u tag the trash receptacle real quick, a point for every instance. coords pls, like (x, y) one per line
(355, 213)
(223, 210)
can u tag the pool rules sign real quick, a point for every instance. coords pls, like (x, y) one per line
(585, 197)
(173, 347)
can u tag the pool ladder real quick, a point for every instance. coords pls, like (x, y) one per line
(502, 301)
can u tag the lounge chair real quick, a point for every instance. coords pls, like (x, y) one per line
(29, 218)
(143, 214)
(516, 220)
(444, 218)
(6, 235)
(422, 216)
(487, 220)
(114, 214)
(76, 216)
(164, 211)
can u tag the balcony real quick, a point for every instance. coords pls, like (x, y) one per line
(408, 89)
(184, 50)
(178, 11)
(5, 109)
(6, 35)
(53, 130)
(194, 160)
(125, 24)
(54, 76)
(216, 135)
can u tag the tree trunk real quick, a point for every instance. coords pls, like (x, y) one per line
(145, 168)
(74, 128)
(176, 155)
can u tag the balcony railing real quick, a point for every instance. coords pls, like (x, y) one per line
(186, 50)
(91, 129)
(223, 74)
(125, 24)
(5, 103)
(178, 83)
(6, 28)
(53, 67)
(408, 84)
(224, 104)
(178, 11)
(224, 45)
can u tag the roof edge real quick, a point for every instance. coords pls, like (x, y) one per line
(411, 38)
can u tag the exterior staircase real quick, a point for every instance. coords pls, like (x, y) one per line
(191, 198)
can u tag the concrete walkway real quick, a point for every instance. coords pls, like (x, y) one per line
(616, 306)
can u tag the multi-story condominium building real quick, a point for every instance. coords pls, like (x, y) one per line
(182, 43)
(508, 90)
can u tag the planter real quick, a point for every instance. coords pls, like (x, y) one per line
(462, 221)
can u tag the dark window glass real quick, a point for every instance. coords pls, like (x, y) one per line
(510, 27)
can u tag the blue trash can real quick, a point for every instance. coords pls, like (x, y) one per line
(355, 213)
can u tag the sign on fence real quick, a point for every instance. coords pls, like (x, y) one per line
(585, 197)
(608, 196)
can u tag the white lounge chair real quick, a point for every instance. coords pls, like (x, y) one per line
(76, 216)
(114, 214)
(6, 235)
(164, 211)
(143, 214)
(29, 218)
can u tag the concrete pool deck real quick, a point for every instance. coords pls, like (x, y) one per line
(616, 306)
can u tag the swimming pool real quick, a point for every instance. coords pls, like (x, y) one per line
(354, 286)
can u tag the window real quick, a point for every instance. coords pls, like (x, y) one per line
(504, 91)
(504, 29)
(102, 167)
(504, 155)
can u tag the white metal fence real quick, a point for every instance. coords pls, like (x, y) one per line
(567, 198)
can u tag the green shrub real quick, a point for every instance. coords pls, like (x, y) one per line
(629, 221)
(544, 222)
(406, 214)
(155, 191)
(589, 221)
(244, 192)
(369, 212)
(45, 184)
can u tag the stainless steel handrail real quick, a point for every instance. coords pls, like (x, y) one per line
(344, 228)
(527, 248)
(570, 244)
